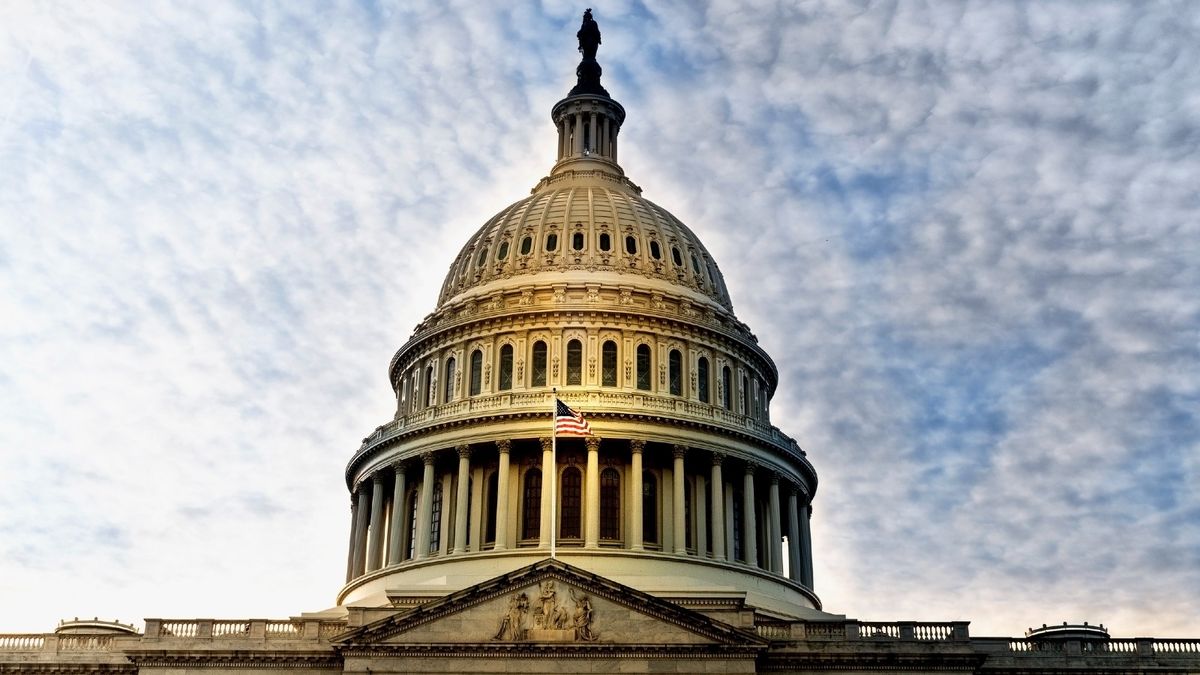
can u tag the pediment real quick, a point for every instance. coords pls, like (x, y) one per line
(549, 602)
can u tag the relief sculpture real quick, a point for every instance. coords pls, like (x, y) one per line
(553, 621)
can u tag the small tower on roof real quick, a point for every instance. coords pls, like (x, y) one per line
(588, 119)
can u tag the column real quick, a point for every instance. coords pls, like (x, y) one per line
(578, 149)
(717, 487)
(460, 505)
(749, 522)
(680, 532)
(562, 137)
(360, 531)
(604, 145)
(546, 530)
(636, 534)
(592, 133)
(730, 544)
(425, 514)
(701, 517)
(375, 540)
(613, 140)
(806, 565)
(775, 529)
(399, 489)
(353, 530)
(591, 511)
(793, 536)
(504, 446)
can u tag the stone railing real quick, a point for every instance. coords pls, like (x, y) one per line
(1109, 647)
(22, 642)
(865, 630)
(54, 643)
(251, 629)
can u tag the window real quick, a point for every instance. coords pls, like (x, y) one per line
(577, 241)
(489, 526)
(412, 524)
(746, 396)
(695, 265)
(610, 504)
(476, 372)
(482, 257)
(608, 364)
(435, 523)
(702, 378)
(430, 392)
(727, 388)
(643, 367)
(449, 386)
(552, 242)
(526, 245)
(605, 242)
(537, 367)
(503, 252)
(678, 259)
(531, 521)
(649, 508)
(574, 362)
(675, 372)
(689, 539)
(654, 250)
(572, 496)
(506, 366)
(737, 526)
(631, 245)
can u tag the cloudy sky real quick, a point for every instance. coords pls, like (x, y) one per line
(967, 232)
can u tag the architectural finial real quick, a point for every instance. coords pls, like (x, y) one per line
(589, 35)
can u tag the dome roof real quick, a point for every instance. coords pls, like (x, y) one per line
(589, 221)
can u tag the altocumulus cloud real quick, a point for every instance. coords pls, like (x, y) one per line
(966, 232)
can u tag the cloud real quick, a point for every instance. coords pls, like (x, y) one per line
(965, 232)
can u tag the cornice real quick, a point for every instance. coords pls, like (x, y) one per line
(236, 659)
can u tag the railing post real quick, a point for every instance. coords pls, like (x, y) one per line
(50, 643)
(1145, 646)
(204, 628)
(907, 630)
(258, 629)
(958, 630)
(153, 628)
(311, 630)
(852, 630)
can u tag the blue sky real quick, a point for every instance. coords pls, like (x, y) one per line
(966, 231)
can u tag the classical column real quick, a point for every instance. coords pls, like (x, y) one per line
(591, 530)
(504, 446)
(775, 529)
(680, 531)
(460, 505)
(806, 565)
(636, 535)
(749, 522)
(701, 516)
(605, 147)
(578, 134)
(592, 133)
(730, 527)
(717, 487)
(375, 540)
(546, 530)
(360, 531)
(425, 514)
(353, 530)
(396, 538)
(793, 536)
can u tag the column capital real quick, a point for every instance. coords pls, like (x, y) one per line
(678, 451)
(751, 467)
(398, 466)
(592, 442)
(718, 458)
(427, 458)
(775, 478)
(464, 451)
(377, 477)
(547, 443)
(637, 445)
(504, 445)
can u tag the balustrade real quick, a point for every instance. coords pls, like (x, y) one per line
(22, 642)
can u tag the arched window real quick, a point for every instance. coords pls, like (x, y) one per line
(643, 367)
(435, 522)
(572, 497)
(689, 537)
(605, 242)
(489, 525)
(676, 258)
(746, 408)
(577, 241)
(537, 366)
(531, 516)
(675, 372)
(503, 252)
(608, 364)
(649, 508)
(702, 378)
(655, 251)
(506, 366)
(412, 524)
(449, 386)
(631, 245)
(552, 242)
(610, 504)
(430, 392)
(727, 388)
(476, 372)
(574, 362)
(526, 245)
(482, 257)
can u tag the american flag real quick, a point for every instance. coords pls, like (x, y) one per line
(567, 422)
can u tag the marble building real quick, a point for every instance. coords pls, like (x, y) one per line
(674, 538)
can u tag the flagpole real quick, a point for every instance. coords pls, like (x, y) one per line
(553, 465)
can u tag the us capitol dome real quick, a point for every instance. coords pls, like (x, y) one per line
(588, 292)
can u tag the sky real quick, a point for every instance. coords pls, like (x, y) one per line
(967, 232)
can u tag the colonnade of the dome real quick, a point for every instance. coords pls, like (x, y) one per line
(630, 494)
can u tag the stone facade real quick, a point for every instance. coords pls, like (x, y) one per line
(675, 539)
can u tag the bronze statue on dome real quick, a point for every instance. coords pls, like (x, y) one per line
(589, 35)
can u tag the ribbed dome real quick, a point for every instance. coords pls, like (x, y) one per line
(585, 221)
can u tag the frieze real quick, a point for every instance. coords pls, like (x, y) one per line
(547, 617)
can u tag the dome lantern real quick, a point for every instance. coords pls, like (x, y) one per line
(588, 119)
